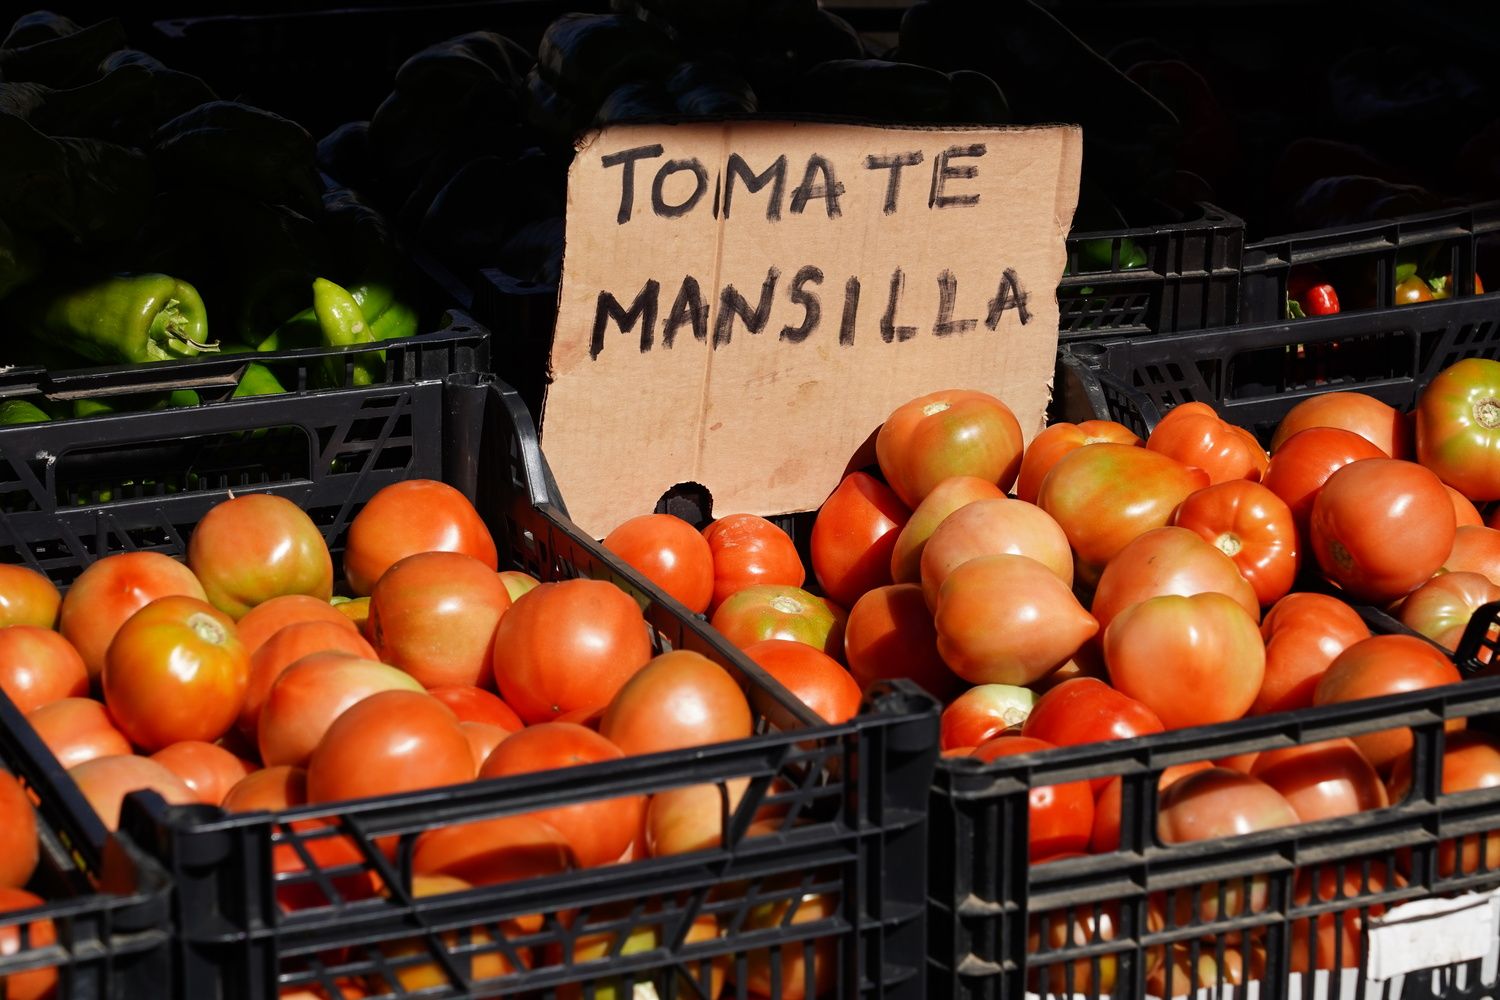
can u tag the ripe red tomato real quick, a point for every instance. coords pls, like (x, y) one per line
(679, 699)
(310, 694)
(1383, 426)
(1195, 435)
(1475, 550)
(1464, 512)
(105, 781)
(954, 432)
(748, 551)
(671, 554)
(1217, 802)
(817, 680)
(597, 831)
(113, 589)
(38, 666)
(252, 548)
(33, 984)
(484, 737)
(1253, 527)
(1007, 619)
(18, 843)
(1106, 835)
(1061, 816)
(175, 671)
(434, 615)
(854, 536)
(982, 713)
(1471, 760)
(1320, 780)
(1441, 608)
(265, 620)
(1193, 661)
(568, 646)
(286, 647)
(890, 634)
(493, 851)
(1179, 973)
(780, 612)
(473, 704)
(682, 820)
(797, 982)
(1303, 463)
(1167, 561)
(1309, 954)
(478, 965)
(418, 515)
(1382, 665)
(78, 729)
(209, 770)
(1048, 448)
(1107, 494)
(27, 598)
(390, 742)
(1456, 419)
(946, 497)
(1367, 505)
(1087, 710)
(994, 527)
(1303, 634)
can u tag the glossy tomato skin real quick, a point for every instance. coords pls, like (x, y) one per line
(1087, 710)
(954, 432)
(1048, 448)
(1471, 760)
(994, 527)
(853, 537)
(816, 679)
(1253, 527)
(1195, 435)
(418, 515)
(252, 548)
(946, 498)
(1303, 634)
(747, 551)
(680, 699)
(1218, 802)
(310, 694)
(105, 781)
(1378, 423)
(27, 598)
(175, 671)
(286, 647)
(1475, 550)
(779, 612)
(209, 770)
(1322, 780)
(38, 666)
(890, 634)
(690, 818)
(1061, 816)
(113, 589)
(982, 713)
(78, 729)
(671, 554)
(33, 984)
(474, 704)
(494, 851)
(1303, 463)
(18, 843)
(1106, 834)
(1464, 511)
(1169, 561)
(1383, 665)
(1458, 427)
(390, 742)
(1441, 608)
(1107, 494)
(1367, 505)
(265, 620)
(483, 738)
(1193, 661)
(434, 616)
(568, 646)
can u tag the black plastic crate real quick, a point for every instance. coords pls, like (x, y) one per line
(854, 794)
(106, 911)
(1098, 925)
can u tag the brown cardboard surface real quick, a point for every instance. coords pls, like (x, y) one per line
(768, 420)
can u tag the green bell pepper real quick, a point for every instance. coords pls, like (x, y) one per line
(124, 319)
(343, 325)
(19, 411)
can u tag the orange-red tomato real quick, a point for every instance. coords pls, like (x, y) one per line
(33, 984)
(1303, 634)
(1310, 953)
(209, 770)
(265, 620)
(390, 742)
(762, 969)
(1169, 561)
(1217, 802)
(175, 671)
(310, 694)
(1364, 508)
(1195, 435)
(1441, 608)
(1048, 448)
(1475, 550)
(854, 536)
(954, 432)
(1471, 760)
(681, 820)
(1253, 527)
(473, 704)
(1382, 665)
(890, 634)
(252, 548)
(780, 612)
(1086, 710)
(1178, 973)
(418, 515)
(478, 965)
(1457, 414)
(78, 729)
(1193, 661)
(38, 666)
(598, 831)
(680, 699)
(493, 851)
(27, 598)
(946, 497)
(1383, 426)
(286, 647)
(817, 680)
(1303, 463)
(105, 781)
(982, 713)
(1061, 816)
(568, 646)
(994, 527)
(18, 844)
(671, 554)
(113, 589)
(483, 737)
(1106, 834)
(1464, 511)
(1321, 780)
(1107, 494)
(1007, 619)
(434, 615)
(747, 551)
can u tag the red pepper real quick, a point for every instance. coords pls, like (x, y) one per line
(1309, 295)
(1320, 300)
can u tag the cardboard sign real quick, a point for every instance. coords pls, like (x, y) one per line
(743, 304)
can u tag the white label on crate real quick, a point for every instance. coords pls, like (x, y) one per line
(1427, 933)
